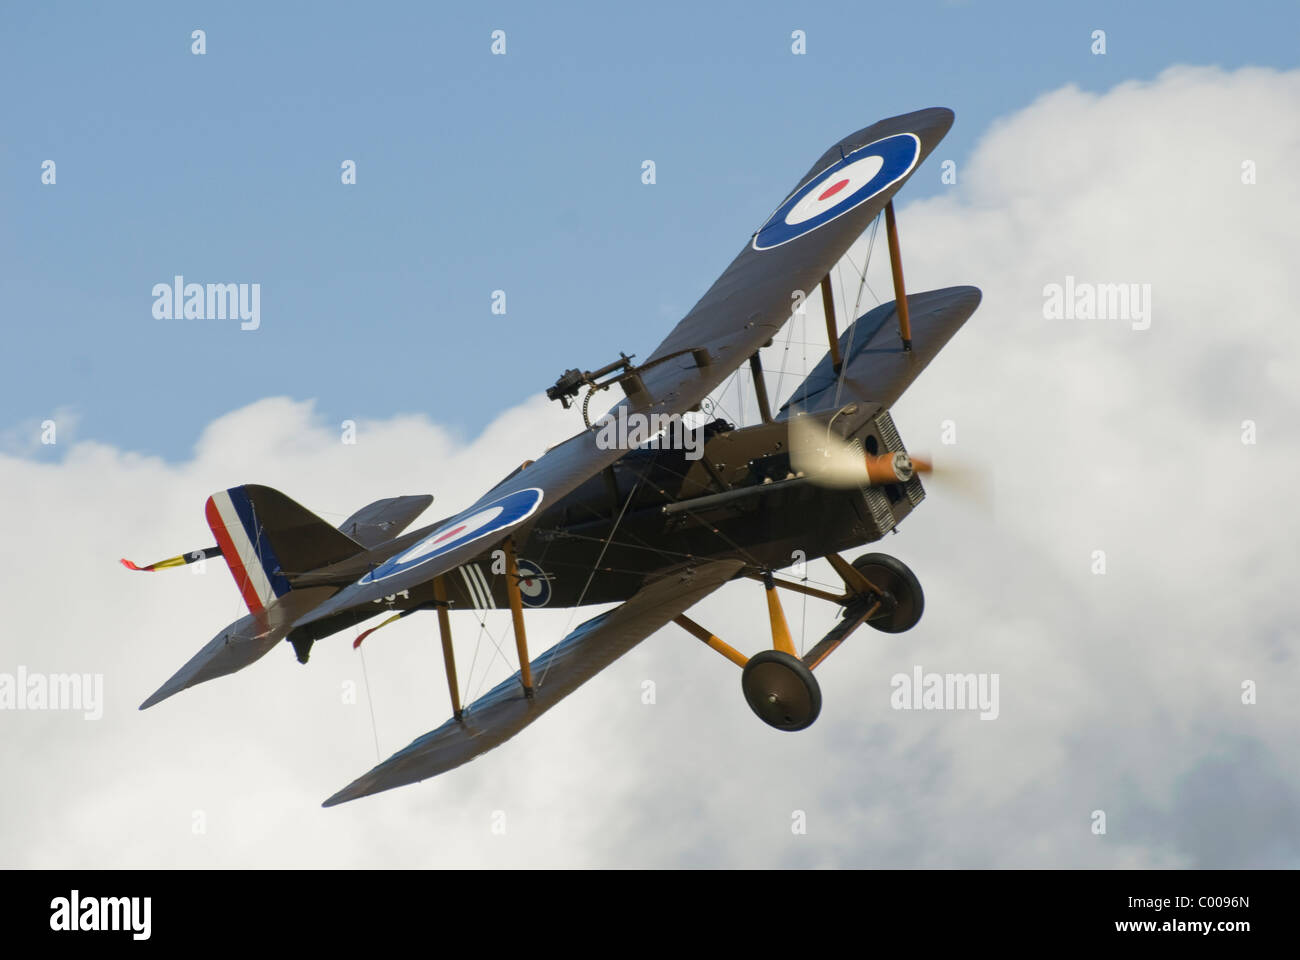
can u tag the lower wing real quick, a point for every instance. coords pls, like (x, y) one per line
(502, 712)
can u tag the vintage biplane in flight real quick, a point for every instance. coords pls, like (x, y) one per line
(649, 527)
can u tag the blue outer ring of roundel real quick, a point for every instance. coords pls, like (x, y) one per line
(899, 154)
(514, 508)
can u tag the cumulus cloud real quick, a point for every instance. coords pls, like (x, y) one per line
(1119, 692)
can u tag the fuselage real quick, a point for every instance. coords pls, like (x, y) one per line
(658, 509)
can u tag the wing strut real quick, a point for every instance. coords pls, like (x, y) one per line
(896, 265)
(517, 615)
(760, 387)
(448, 654)
(832, 329)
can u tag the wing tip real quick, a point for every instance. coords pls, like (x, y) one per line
(166, 691)
(351, 792)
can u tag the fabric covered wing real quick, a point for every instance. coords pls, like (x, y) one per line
(743, 310)
(383, 520)
(502, 712)
(875, 367)
(754, 292)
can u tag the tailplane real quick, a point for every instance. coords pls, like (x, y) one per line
(266, 538)
(268, 541)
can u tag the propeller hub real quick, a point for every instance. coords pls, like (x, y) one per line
(890, 468)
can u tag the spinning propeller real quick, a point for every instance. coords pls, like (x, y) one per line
(828, 460)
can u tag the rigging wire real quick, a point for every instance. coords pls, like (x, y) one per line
(591, 576)
(469, 677)
(866, 264)
(785, 356)
(853, 321)
(370, 702)
(726, 386)
(481, 617)
(731, 543)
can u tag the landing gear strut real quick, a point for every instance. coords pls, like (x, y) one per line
(779, 686)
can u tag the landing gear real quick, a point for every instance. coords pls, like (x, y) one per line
(779, 686)
(903, 601)
(781, 691)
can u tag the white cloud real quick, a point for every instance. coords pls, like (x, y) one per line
(1118, 692)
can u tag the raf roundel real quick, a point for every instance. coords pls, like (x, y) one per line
(534, 584)
(505, 512)
(848, 183)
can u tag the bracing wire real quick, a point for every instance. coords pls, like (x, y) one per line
(785, 356)
(592, 575)
(853, 328)
(481, 617)
(370, 702)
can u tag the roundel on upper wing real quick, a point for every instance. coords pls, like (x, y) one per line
(499, 514)
(844, 185)
(534, 584)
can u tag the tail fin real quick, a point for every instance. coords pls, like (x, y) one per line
(267, 538)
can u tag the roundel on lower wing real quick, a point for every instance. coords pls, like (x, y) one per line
(534, 584)
(844, 185)
(486, 520)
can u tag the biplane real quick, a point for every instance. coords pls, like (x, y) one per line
(652, 528)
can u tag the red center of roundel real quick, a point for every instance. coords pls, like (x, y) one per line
(450, 533)
(832, 190)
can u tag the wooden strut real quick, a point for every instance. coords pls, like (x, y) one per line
(781, 639)
(896, 265)
(840, 598)
(700, 633)
(832, 329)
(827, 645)
(517, 615)
(853, 578)
(855, 583)
(760, 388)
(448, 654)
(780, 629)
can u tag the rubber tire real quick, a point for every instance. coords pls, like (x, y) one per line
(775, 673)
(891, 574)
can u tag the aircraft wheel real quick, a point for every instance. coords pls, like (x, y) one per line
(905, 602)
(781, 690)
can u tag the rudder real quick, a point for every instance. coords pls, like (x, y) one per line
(266, 538)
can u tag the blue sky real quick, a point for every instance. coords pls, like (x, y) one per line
(475, 173)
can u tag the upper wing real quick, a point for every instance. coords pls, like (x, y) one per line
(754, 293)
(800, 242)
(875, 366)
(502, 712)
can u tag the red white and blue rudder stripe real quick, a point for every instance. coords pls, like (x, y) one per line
(245, 546)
